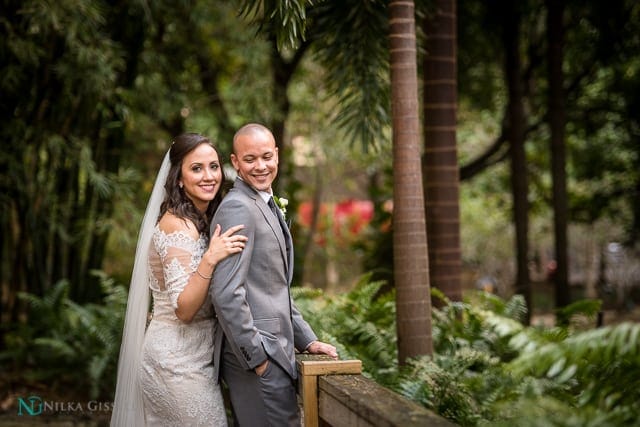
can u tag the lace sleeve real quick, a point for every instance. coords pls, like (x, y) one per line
(179, 260)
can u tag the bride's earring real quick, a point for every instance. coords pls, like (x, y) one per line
(181, 185)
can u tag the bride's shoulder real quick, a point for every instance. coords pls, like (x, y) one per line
(172, 224)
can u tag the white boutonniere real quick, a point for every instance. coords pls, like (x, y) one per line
(281, 203)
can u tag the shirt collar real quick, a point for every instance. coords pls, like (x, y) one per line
(264, 195)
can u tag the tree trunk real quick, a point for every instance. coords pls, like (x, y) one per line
(515, 132)
(440, 162)
(555, 33)
(411, 264)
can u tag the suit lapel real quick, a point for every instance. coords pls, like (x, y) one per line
(280, 232)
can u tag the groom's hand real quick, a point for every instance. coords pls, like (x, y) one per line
(259, 370)
(318, 347)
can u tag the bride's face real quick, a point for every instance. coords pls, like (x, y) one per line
(201, 175)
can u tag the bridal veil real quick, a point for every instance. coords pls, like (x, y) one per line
(128, 410)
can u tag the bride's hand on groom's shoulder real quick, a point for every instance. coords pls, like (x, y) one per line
(224, 244)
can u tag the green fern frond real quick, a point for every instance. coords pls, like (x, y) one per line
(361, 320)
(503, 326)
(96, 369)
(437, 293)
(599, 346)
(65, 333)
(488, 301)
(603, 363)
(51, 301)
(439, 389)
(588, 308)
(33, 301)
(57, 295)
(59, 347)
(299, 292)
(365, 292)
(516, 308)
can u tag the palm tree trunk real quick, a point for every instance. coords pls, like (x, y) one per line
(411, 264)
(440, 162)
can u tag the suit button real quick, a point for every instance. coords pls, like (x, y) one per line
(245, 353)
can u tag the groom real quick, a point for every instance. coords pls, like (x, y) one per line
(250, 292)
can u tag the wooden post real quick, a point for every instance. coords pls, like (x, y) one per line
(309, 368)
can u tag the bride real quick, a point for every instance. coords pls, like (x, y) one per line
(165, 375)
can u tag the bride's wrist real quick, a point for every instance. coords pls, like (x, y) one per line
(208, 262)
(205, 269)
(202, 275)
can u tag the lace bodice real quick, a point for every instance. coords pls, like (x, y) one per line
(173, 259)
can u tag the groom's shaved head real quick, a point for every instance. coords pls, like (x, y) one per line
(250, 129)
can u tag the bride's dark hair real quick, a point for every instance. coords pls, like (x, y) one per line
(176, 201)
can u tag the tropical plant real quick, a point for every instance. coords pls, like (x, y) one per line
(61, 333)
(360, 322)
(489, 368)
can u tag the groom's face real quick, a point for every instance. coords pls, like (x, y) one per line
(255, 158)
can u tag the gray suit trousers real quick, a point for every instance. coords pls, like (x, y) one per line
(260, 401)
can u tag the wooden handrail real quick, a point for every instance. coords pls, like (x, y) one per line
(334, 393)
(309, 368)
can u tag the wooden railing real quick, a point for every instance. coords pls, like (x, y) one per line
(334, 393)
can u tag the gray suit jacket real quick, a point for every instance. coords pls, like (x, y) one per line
(250, 290)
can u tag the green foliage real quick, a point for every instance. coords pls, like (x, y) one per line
(488, 368)
(588, 308)
(61, 334)
(441, 384)
(517, 371)
(464, 325)
(286, 17)
(360, 322)
(601, 365)
(347, 42)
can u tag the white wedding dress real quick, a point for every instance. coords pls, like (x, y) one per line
(176, 373)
